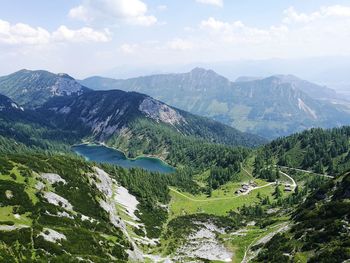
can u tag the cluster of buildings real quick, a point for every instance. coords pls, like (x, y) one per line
(246, 187)
(288, 188)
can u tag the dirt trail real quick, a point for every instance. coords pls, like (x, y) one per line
(306, 171)
(294, 184)
(219, 198)
(259, 240)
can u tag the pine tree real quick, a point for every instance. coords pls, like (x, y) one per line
(258, 195)
(278, 192)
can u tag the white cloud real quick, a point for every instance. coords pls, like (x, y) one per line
(85, 34)
(214, 24)
(128, 48)
(219, 3)
(142, 20)
(336, 11)
(237, 32)
(109, 11)
(180, 44)
(323, 32)
(23, 34)
(162, 7)
(79, 13)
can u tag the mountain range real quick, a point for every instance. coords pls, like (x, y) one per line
(270, 107)
(228, 199)
(115, 117)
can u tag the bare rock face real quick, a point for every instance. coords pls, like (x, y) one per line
(65, 86)
(203, 243)
(160, 112)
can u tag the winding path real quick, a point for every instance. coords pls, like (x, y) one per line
(247, 172)
(294, 184)
(218, 198)
(282, 227)
(306, 171)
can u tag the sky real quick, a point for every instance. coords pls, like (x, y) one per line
(89, 37)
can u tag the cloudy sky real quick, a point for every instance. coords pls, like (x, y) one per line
(87, 37)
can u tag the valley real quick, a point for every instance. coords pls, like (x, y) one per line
(187, 131)
(209, 193)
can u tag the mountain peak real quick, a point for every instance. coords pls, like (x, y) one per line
(65, 75)
(202, 71)
(198, 70)
(24, 70)
(32, 88)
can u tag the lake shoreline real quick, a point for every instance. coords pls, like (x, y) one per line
(122, 151)
(138, 158)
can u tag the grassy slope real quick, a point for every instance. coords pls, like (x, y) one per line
(185, 203)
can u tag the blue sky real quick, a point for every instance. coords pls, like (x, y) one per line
(84, 37)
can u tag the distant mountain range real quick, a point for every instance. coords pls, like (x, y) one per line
(115, 117)
(56, 207)
(313, 90)
(271, 107)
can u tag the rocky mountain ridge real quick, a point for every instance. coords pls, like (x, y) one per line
(271, 107)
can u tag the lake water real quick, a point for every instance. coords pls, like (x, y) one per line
(103, 154)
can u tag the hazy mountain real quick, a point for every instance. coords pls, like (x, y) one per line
(331, 71)
(31, 89)
(271, 107)
(247, 78)
(313, 90)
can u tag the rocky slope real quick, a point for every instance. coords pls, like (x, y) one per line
(103, 115)
(60, 209)
(271, 107)
(31, 89)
